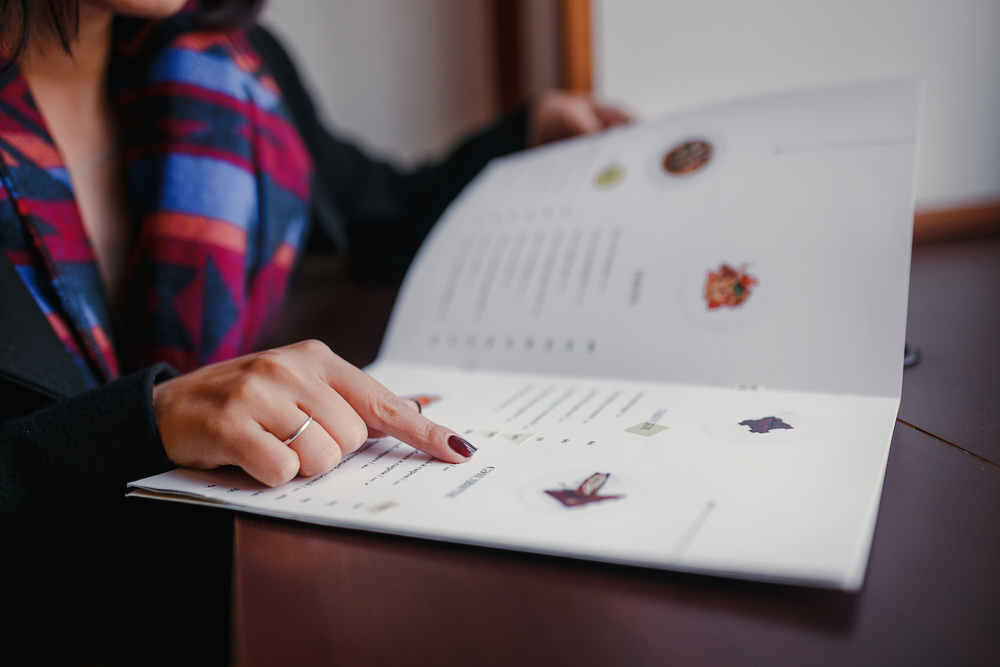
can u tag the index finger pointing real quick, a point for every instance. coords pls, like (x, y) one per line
(385, 412)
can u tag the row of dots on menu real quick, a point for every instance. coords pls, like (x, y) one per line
(510, 343)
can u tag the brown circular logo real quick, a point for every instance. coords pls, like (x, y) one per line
(688, 157)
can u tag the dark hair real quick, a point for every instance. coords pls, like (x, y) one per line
(20, 20)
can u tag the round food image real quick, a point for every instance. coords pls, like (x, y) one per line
(688, 157)
(728, 287)
(609, 177)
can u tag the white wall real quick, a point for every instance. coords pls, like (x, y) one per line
(405, 77)
(665, 55)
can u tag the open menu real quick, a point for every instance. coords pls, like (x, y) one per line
(677, 345)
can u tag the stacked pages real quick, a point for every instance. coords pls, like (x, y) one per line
(677, 345)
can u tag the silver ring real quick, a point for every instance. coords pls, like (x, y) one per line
(299, 432)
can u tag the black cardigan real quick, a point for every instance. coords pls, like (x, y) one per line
(72, 550)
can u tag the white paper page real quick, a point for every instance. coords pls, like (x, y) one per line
(565, 330)
(542, 266)
(699, 491)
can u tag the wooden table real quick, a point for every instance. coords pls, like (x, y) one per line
(307, 595)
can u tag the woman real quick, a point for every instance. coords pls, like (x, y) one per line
(155, 192)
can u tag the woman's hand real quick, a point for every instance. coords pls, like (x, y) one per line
(559, 114)
(240, 412)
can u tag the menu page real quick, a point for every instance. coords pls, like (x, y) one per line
(675, 345)
(780, 486)
(763, 243)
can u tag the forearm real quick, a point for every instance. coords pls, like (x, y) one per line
(65, 468)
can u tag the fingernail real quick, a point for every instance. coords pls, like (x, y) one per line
(461, 447)
(420, 410)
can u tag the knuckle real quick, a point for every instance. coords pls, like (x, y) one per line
(356, 434)
(331, 457)
(386, 408)
(266, 364)
(247, 389)
(269, 471)
(310, 468)
(263, 373)
(313, 347)
(321, 461)
(283, 471)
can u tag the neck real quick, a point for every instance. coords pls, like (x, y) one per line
(85, 66)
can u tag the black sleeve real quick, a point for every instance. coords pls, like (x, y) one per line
(63, 476)
(373, 212)
(65, 467)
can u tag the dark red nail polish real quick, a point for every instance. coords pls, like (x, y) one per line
(461, 447)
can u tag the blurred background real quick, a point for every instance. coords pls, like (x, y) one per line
(406, 78)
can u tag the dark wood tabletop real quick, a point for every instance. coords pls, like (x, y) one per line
(954, 319)
(307, 595)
